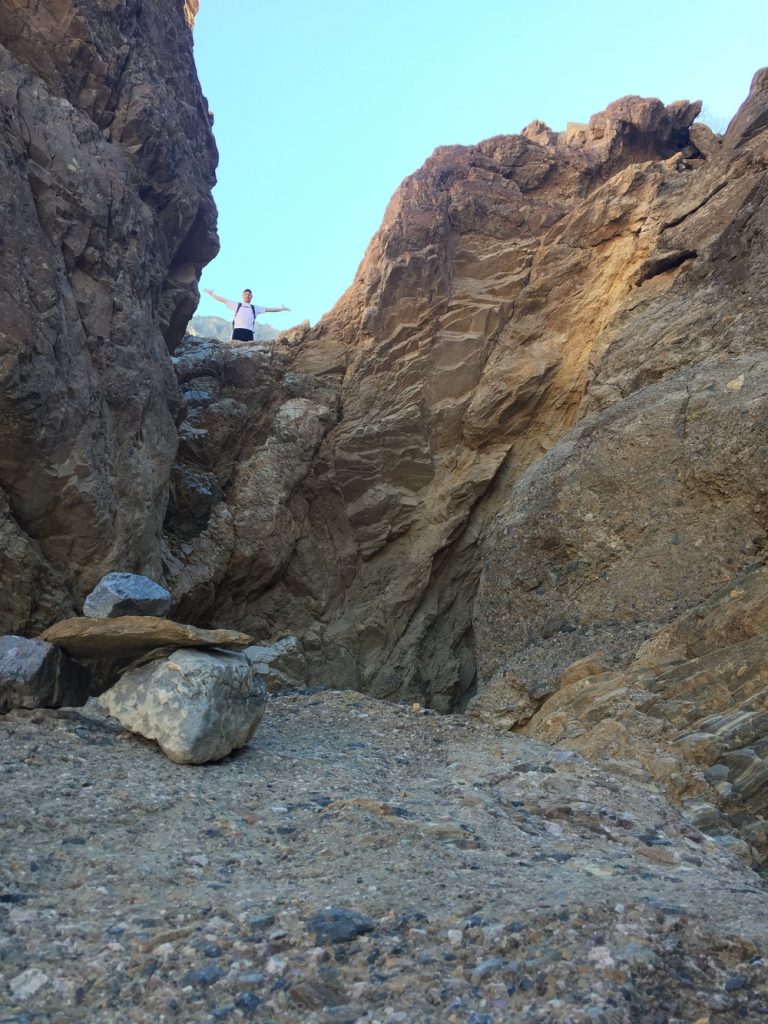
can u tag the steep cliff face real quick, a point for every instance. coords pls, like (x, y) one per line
(106, 170)
(514, 288)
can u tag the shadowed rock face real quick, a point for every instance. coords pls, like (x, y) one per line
(106, 166)
(514, 288)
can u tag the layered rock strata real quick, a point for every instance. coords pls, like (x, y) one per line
(106, 166)
(346, 481)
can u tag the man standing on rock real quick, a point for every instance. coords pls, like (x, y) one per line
(244, 320)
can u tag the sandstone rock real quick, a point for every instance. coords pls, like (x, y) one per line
(198, 706)
(282, 664)
(132, 635)
(124, 593)
(35, 674)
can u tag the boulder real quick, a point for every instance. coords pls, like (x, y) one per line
(198, 706)
(124, 593)
(35, 674)
(133, 635)
(282, 664)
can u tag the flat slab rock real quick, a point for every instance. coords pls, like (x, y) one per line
(134, 635)
(363, 863)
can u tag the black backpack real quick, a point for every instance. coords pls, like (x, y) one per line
(238, 310)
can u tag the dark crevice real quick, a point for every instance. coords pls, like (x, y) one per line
(663, 264)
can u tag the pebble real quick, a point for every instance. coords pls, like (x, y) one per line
(28, 983)
(338, 925)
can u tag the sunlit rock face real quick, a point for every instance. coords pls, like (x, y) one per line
(106, 168)
(191, 9)
(514, 288)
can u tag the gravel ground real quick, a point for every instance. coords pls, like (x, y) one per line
(359, 862)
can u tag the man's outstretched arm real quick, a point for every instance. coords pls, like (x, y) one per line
(219, 298)
(276, 309)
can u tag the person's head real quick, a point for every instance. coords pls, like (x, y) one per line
(247, 295)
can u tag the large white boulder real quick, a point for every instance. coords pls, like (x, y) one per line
(198, 706)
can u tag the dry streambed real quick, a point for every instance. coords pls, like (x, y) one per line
(358, 861)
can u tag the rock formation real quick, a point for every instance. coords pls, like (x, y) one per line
(530, 433)
(106, 168)
(35, 674)
(520, 466)
(124, 593)
(134, 635)
(356, 483)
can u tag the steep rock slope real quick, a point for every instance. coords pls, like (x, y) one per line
(105, 176)
(514, 287)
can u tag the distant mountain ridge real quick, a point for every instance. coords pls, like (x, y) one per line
(221, 329)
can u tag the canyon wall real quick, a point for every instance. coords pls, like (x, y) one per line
(519, 468)
(360, 483)
(105, 176)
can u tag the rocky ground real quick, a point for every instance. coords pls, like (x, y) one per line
(359, 861)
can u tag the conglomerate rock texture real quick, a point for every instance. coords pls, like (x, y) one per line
(106, 165)
(475, 877)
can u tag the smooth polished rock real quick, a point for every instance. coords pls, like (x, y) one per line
(198, 706)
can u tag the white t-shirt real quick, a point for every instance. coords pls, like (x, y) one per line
(245, 317)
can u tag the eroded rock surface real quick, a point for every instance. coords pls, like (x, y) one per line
(345, 481)
(106, 166)
(692, 710)
(630, 519)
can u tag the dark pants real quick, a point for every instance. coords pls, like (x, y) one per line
(240, 334)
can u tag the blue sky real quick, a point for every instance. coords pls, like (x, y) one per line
(322, 107)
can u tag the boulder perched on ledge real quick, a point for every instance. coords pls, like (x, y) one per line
(126, 593)
(198, 705)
